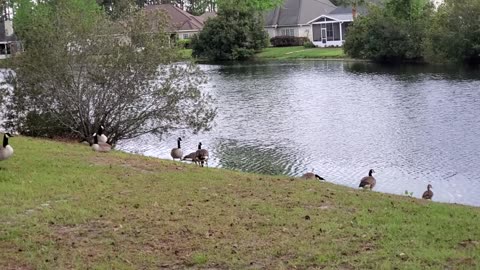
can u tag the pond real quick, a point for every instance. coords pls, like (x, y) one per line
(413, 125)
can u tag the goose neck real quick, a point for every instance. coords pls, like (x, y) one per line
(5, 140)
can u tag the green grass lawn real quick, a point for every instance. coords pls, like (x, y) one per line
(299, 52)
(63, 206)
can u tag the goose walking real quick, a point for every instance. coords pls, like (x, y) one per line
(101, 137)
(6, 151)
(201, 155)
(427, 195)
(191, 157)
(177, 152)
(312, 175)
(368, 181)
(99, 146)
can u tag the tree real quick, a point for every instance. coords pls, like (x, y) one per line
(454, 33)
(351, 3)
(235, 34)
(81, 70)
(386, 35)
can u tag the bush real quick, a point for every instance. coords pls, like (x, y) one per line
(309, 44)
(233, 35)
(286, 41)
(184, 43)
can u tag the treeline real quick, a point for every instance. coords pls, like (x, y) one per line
(414, 31)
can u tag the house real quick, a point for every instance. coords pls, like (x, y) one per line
(293, 17)
(323, 23)
(8, 40)
(180, 22)
(330, 29)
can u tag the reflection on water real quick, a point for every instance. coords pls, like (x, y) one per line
(413, 124)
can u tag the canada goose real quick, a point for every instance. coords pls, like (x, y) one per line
(311, 175)
(6, 150)
(98, 146)
(177, 152)
(192, 157)
(368, 181)
(427, 195)
(101, 137)
(201, 155)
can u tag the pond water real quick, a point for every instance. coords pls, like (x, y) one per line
(413, 125)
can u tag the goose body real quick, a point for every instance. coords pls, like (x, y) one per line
(428, 195)
(6, 151)
(312, 175)
(191, 157)
(101, 137)
(201, 155)
(177, 152)
(100, 147)
(368, 181)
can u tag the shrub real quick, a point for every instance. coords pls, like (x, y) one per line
(309, 44)
(286, 41)
(184, 43)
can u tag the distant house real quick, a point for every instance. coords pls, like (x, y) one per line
(320, 21)
(330, 29)
(180, 22)
(8, 40)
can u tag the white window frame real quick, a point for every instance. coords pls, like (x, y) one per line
(290, 32)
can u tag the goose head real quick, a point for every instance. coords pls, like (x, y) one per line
(371, 172)
(199, 145)
(429, 187)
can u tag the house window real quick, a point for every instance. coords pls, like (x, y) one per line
(329, 32)
(288, 32)
(185, 36)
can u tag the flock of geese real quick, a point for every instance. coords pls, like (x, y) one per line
(199, 157)
(368, 182)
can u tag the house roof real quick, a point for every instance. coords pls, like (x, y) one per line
(297, 12)
(341, 14)
(178, 19)
(207, 15)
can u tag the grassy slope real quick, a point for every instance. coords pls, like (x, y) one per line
(300, 52)
(63, 206)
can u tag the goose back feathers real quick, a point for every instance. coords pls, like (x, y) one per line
(368, 181)
(177, 152)
(201, 155)
(99, 146)
(428, 195)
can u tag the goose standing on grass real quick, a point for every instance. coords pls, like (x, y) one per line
(368, 181)
(6, 151)
(427, 195)
(177, 152)
(101, 137)
(99, 146)
(311, 175)
(201, 155)
(191, 157)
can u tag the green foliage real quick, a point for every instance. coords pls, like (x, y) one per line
(235, 34)
(308, 44)
(454, 33)
(257, 5)
(80, 69)
(386, 35)
(184, 43)
(286, 41)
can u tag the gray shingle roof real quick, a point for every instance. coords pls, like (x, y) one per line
(295, 12)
